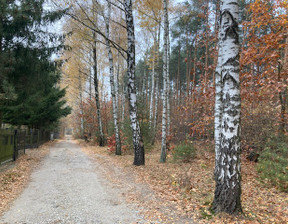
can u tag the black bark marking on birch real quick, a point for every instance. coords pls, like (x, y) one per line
(234, 61)
(232, 3)
(231, 28)
(227, 76)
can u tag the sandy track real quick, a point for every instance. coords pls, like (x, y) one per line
(66, 189)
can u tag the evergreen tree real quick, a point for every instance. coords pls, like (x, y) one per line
(28, 77)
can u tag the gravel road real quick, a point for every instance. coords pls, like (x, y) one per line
(66, 189)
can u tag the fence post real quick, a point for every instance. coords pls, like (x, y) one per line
(15, 155)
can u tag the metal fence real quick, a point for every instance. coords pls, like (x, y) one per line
(15, 142)
(7, 151)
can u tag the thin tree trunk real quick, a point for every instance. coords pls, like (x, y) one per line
(143, 91)
(81, 107)
(99, 116)
(123, 107)
(113, 84)
(139, 155)
(216, 30)
(152, 87)
(178, 79)
(148, 89)
(1, 66)
(187, 69)
(155, 111)
(117, 91)
(154, 125)
(96, 84)
(194, 65)
(227, 126)
(206, 46)
(165, 93)
(283, 93)
(168, 85)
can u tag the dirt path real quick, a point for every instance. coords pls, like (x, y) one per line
(66, 189)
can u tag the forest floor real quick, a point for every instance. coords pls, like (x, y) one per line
(169, 193)
(184, 191)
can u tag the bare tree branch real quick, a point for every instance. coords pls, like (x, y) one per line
(113, 43)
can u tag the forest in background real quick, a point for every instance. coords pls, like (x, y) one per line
(189, 83)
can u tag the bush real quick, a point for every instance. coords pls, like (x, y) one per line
(184, 152)
(273, 164)
(127, 134)
(111, 143)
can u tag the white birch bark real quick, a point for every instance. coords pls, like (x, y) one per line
(139, 157)
(155, 111)
(123, 107)
(112, 81)
(165, 92)
(152, 88)
(168, 84)
(154, 125)
(227, 113)
(144, 90)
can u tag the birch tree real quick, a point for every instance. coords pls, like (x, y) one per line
(152, 87)
(165, 89)
(139, 158)
(227, 113)
(112, 81)
(168, 83)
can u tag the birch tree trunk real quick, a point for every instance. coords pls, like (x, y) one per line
(154, 125)
(155, 111)
(152, 88)
(123, 107)
(227, 113)
(168, 84)
(206, 46)
(112, 82)
(139, 156)
(96, 88)
(165, 92)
